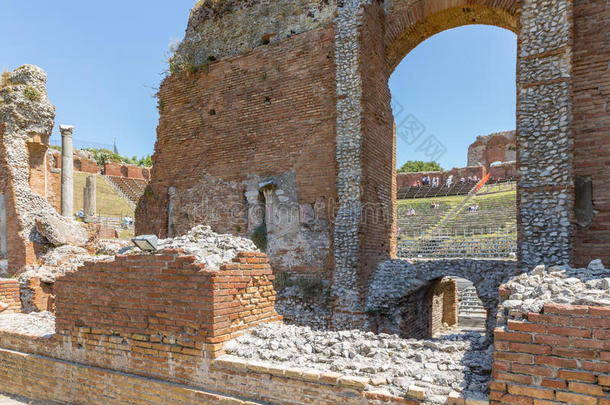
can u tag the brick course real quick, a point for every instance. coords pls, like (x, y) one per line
(9, 295)
(560, 355)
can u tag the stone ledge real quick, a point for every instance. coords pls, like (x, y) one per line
(362, 384)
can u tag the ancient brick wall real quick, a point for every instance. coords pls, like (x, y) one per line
(37, 167)
(9, 295)
(53, 185)
(591, 124)
(408, 179)
(85, 165)
(498, 147)
(378, 183)
(113, 169)
(209, 153)
(161, 304)
(560, 356)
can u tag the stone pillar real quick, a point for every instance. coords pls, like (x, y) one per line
(89, 197)
(171, 204)
(544, 65)
(67, 171)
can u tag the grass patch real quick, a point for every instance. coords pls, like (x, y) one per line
(108, 204)
(31, 93)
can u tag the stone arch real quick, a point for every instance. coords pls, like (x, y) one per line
(395, 279)
(365, 150)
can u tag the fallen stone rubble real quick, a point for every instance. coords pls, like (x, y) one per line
(207, 246)
(529, 292)
(35, 324)
(459, 362)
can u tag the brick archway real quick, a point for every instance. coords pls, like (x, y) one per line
(366, 176)
(409, 25)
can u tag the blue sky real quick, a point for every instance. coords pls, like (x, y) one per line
(104, 61)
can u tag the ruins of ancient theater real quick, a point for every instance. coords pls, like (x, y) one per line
(293, 264)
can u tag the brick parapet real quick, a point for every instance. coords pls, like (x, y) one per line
(561, 355)
(164, 312)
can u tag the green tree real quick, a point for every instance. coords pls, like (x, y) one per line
(412, 166)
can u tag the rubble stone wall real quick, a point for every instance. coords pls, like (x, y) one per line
(497, 147)
(9, 295)
(397, 280)
(558, 356)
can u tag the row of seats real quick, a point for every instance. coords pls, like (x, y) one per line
(132, 188)
(489, 246)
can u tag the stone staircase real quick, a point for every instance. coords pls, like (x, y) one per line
(471, 313)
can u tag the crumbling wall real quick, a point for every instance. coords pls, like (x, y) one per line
(215, 146)
(496, 147)
(207, 37)
(26, 120)
(552, 340)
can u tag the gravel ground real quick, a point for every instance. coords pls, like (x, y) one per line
(460, 362)
(36, 323)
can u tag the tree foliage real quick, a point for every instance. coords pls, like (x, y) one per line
(412, 166)
(103, 156)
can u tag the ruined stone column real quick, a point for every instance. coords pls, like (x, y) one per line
(171, 208)
(67, 171)
(89, 200)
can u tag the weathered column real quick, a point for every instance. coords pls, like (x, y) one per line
(67, 171)
(89, 197)
(171, 208)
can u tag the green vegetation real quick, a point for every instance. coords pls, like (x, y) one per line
(413, 166)
(312, 289)
(103, 156)
(31, 93)
(109, 203)
(259, 237)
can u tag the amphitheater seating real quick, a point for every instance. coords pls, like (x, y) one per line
(455, 189)
(132, 188)
(489, 232)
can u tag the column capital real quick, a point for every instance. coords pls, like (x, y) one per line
(66, 130)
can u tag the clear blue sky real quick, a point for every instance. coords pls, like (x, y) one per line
(103, 61)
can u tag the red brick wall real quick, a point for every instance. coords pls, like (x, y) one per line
(134, 172)
(43, 298)
(53, 187)
(560, 356)
(112, 169)
(408, 179)
(36, 162)
(163, 303)
(265, 112)
(591, 123)
(9, 295)
(86, 165)
(378, 224)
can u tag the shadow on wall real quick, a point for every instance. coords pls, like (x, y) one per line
(397, 282)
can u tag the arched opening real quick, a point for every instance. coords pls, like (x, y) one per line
(452, 218)
(367, 179)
